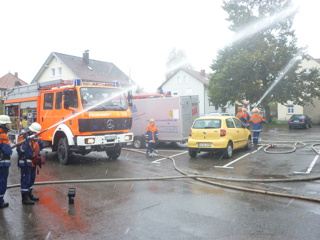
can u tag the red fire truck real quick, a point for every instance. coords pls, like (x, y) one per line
(77, 117)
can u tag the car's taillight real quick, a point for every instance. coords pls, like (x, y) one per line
(223, 132)
(190, 133)
(303, 120)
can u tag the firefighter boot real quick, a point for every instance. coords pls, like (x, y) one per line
(26, 200)
(153, 154)
(32, 197)
(4, 205)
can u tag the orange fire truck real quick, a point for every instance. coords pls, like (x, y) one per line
(76, 117)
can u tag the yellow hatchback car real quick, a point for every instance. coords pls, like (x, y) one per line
(218, 133)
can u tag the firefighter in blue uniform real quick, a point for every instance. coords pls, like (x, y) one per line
(5, 153)
(256, 120)
(241, 115)
(28, 151)
(151, 138)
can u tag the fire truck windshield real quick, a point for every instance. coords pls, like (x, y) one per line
(103, 99)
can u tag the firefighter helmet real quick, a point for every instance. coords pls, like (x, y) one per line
(244, 109)
(35, 127)
(239, 108)
(256, 110)
(4, 119)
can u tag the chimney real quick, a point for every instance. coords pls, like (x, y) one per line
(203, 73)
(86, 57)
(16, 74)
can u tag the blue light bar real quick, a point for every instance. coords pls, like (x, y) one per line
(77, 82)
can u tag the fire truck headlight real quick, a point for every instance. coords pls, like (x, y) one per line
(128, 138)
(89, 140)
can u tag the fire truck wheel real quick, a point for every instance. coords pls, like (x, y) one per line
(139, 142)
(114, 154)
(63, 151)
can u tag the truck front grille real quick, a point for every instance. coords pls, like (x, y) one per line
(104, 124)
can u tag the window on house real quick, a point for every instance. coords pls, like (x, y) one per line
(53, 72)
(59, 71)
(290, 108)
(184, 80)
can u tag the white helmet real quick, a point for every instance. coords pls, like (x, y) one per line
(35, 127)
(4, 119)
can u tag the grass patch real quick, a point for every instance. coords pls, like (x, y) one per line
(277, 124)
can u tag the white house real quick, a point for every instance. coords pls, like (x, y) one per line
(68, 67)
(285, 112)
(187, 82)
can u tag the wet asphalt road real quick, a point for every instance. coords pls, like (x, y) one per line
(140, 207)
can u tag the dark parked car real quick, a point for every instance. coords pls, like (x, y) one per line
(300, 121)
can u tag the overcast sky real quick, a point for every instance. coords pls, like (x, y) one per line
(135, 35)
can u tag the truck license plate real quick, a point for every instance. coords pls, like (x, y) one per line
(110, 137)
(204, 144)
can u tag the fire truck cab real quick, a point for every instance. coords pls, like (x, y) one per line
(75, 117)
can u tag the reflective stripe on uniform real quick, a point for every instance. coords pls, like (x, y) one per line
(255, 119)
(27, 160)
(24, 163)
(5, 163)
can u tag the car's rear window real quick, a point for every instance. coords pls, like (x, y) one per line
(298, 117)
(207, 123)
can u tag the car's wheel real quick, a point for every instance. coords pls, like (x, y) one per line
(310, 125)
(193, 153)
(63, 151)
(139, 142)
(227, 153)
(249, 144)
(307, 125)
(114, 154)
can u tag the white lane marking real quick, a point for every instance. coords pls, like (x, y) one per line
(227, 165)
(157, 161)
(310, 167)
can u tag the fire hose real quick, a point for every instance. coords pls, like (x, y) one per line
(204, 179)
(33, 136)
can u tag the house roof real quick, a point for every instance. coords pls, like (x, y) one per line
(94, 71)
(10, 81)
(201, 76)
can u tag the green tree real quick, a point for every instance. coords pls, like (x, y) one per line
(177, 59)
(261, 56)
